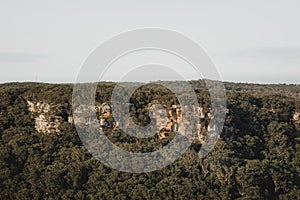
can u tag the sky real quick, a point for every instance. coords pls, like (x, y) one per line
(248, 41)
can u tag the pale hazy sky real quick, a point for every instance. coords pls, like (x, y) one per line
(249, 41)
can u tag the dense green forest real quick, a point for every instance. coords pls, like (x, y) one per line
(257, 159)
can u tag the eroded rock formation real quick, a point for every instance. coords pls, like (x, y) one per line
(296, 119)
(167, 119)
(45, 119)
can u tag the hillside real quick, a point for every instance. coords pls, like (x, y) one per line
(257, 156)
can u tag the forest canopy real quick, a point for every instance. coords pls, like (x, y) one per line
(257, 159)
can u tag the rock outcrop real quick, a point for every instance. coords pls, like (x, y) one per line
(45, 119)
(168, 120)
(296, 119)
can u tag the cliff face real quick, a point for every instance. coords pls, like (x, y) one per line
(48, 121)
(51, 111)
